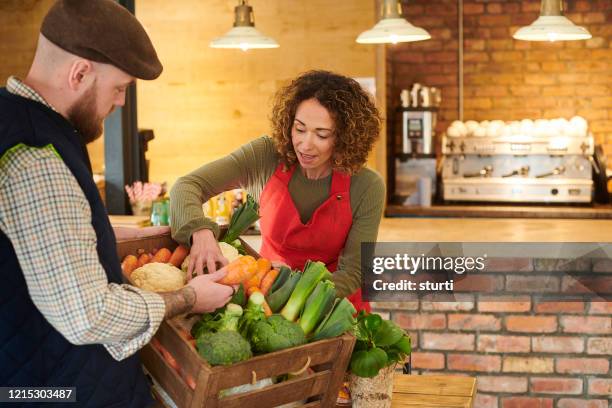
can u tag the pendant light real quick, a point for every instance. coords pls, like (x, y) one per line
(243, 35)
(392, 27)
(552, 25)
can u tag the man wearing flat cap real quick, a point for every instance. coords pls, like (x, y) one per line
(66, 319)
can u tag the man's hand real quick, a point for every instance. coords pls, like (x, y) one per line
(203, 294)
(210, 295)
(204, 250)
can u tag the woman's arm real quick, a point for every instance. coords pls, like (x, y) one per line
(248, 167)
(367, 203)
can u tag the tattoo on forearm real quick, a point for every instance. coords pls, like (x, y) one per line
(179, 302)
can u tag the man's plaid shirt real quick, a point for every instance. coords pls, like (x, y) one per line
(47, 218)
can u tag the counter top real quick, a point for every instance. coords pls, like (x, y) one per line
(494, 230)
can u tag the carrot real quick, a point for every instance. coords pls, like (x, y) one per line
(178, 256)
(263, 265)
(252, 290)
(144, 259)
(240, 270)
(268, 281)
(128, 265)
(255, 280)
(266, 308)
(163, 256)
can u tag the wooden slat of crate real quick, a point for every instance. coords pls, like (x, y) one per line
(277, 394)
(182, 351)
(433, 391)
(281, 362)
(166, 376)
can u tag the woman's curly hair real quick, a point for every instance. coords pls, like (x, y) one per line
(356, 118)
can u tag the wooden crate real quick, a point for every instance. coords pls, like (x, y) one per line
(328, 359)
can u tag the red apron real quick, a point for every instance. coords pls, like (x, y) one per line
(285, 238)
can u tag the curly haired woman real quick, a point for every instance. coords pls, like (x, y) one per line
(317, 200)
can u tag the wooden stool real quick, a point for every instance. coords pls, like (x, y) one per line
(429, 391)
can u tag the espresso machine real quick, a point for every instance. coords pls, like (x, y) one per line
(413, 168)
(542, 161)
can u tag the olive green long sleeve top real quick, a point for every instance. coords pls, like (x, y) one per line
(250, 167)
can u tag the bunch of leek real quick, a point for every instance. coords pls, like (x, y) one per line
(242, 219)
(338, 320)
(314, 272)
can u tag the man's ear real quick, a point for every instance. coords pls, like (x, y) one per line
(80, 74)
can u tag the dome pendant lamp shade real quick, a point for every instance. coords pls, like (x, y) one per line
(552, 25)
(392, 27)
(243, 35)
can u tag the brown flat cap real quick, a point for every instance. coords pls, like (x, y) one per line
(102, 31)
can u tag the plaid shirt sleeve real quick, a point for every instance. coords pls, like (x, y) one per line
(47, 218)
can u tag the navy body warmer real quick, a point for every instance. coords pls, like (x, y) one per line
(32, 352)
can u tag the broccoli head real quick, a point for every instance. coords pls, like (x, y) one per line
(224, 348)
(276, 333)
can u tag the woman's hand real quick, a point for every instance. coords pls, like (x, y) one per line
(204, 250)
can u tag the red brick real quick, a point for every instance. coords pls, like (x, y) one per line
(589, 325)
(599, 345)
(512, 8)
(600, 386)
(447, 341)
(474, 44)
(503, 344)
(412, 305)
(531, 324)
(583, 365)
(475, 56)
(504, 304)
(580, 403)
(526, 402)
(509, 264)
(473, 103)
(472, 362)
(541, 56)
(590, 18)
(601, 308)
(559, 307)
(507, 56)
(473, 8)
(443, 56)
(494, 8)
(502, 384)
(494, 21)
(559, 90)
(503, 44)
(470, 322)
(476, 283)
(557, 344)
(557, 386)
(539, 365)
(588, 284)
(485, 401)
(421, 321)
(532, 284)
(597, 42)
(429, 361)
(463, 306)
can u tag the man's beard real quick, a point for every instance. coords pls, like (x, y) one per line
(84, 117)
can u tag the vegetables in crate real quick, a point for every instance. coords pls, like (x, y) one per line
(240, 270)
(278, 298)
(313, 273)
(317, 306)
(158, 277)
(253, 313)
(219, 342)
(380, 343)
(275, 333)
(338, 321)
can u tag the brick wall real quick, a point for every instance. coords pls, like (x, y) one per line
(504, 78)
(525, 352)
